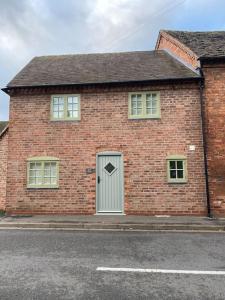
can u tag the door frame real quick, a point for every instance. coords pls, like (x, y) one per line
(109, 153)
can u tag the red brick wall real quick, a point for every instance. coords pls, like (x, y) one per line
(214, 96)
(3, 168)
(104, 126)
(167, 42)
(214, 99)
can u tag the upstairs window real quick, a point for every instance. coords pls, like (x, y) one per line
(144, 105)
(177, 169)
(42, 172)
(65, 107)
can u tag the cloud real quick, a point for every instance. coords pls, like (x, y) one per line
(41, 27)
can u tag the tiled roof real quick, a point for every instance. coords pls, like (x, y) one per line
(3, 125)
(101, 68)
(202, 43)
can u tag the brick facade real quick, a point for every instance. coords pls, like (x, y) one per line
(3, 168)
(104, 126)
(214, 99)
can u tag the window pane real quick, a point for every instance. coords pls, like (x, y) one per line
(139, 111)
(136, 104)
(38, 180)
(73, 100)
(72, 107)
(151, 104)
(32, 166)
(180, 174)
(172, 164)
(35, 173)
(53, 180)
(47, 180)
(61, 114)
(75, 114)
(32, 173)
(58, 107)
(154, 111)
(133, 111)
(49, 173)
(180, 164)
(53, 169)
(173, 174)
(31, 180)
(139, 104)
(133, 103)
(55, 115)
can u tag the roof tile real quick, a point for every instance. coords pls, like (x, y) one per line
(101, 68)
(202, 43)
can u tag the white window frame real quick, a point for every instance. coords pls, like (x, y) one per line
(42, 161)
(65, 115)
(144, 114)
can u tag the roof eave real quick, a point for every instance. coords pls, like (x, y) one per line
(212, 58)
(7, 89)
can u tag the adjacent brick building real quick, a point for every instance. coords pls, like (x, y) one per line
(118, 133)
(3, 162)
(206, 51)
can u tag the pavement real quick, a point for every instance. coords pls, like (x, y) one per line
(53, 264)
(116, 222)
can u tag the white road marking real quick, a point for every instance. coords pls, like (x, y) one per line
(165, 271)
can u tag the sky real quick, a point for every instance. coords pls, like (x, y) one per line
(31, 28)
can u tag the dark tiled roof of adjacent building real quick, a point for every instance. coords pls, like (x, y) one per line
(203, 44)
(3, 125)
(101, 68)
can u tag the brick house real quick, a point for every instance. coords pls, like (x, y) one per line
(3, 162)
(206, 51)
(110, 133)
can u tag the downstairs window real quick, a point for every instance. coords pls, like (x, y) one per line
(177, 169)
(42, 172)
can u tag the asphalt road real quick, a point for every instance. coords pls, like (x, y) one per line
(47, 264)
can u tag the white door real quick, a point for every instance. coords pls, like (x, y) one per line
(109, 183)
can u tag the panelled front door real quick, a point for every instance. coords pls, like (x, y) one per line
(109, 183)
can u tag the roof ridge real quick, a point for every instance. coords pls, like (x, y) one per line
(98, 53)
(195, 31)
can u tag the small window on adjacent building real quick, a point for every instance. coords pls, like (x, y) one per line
(65, 107)
(177, 169)
(144, 105)
(42, 172)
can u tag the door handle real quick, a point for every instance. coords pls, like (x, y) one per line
(99, 179)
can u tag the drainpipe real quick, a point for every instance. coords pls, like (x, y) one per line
(201, 87)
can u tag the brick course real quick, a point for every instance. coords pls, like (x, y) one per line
(104, 126)
(3, 168)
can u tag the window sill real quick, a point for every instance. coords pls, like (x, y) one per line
(42, 187)
(177, 182)
(65, 120)
(145, 118)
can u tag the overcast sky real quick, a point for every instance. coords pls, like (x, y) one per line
(43, 27)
